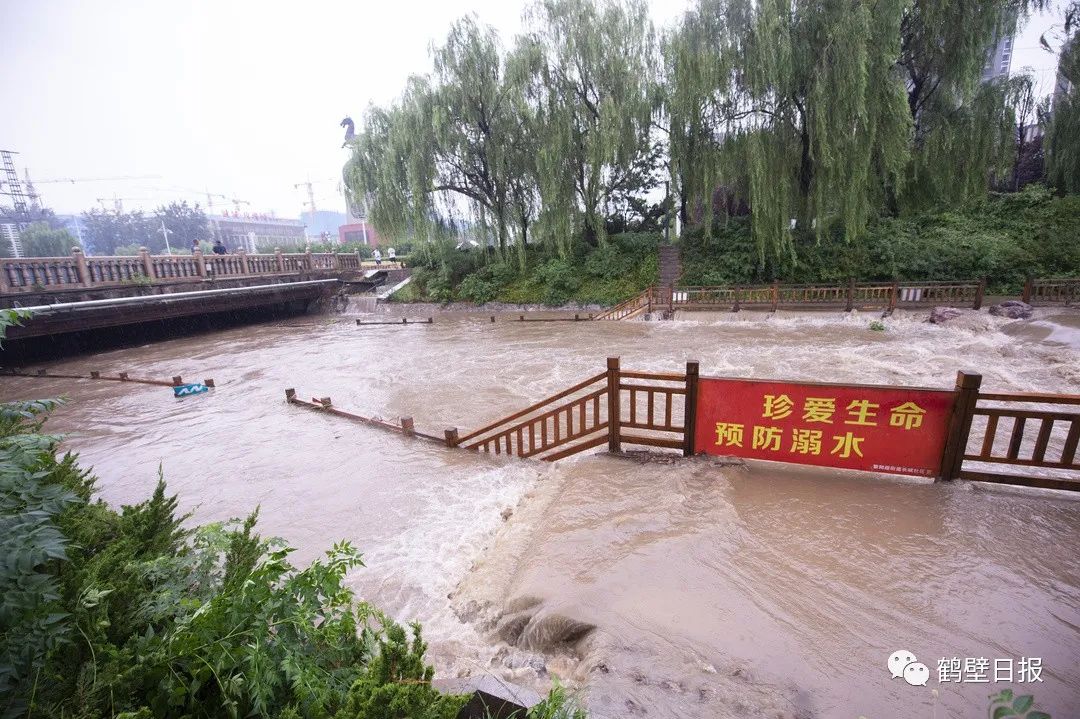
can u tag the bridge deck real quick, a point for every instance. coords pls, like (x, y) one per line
(67, 317)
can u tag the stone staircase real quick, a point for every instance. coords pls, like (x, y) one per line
(670, 265)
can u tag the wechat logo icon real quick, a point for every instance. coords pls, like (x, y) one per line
(902, 663)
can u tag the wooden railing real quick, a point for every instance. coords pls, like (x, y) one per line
(598, 410)
(1064, 290)
(885, 296)
(36, 274)
(865, 295)
(629, 308)
(1020, 432)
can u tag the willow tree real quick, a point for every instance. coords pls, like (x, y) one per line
(1062, 143)
(452, 139)
(797, 102)
(592, 89)
(963, 127)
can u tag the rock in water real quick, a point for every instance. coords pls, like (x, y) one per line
(1013, 309)
(940, 315)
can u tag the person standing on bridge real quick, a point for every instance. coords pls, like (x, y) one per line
(219, 248)
(378, 256)
(194, 246)
(391, 256)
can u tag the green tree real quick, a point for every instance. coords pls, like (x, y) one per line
(452, 137)
(185, 223)
(795, 104)
(1063, 131)
(106, 230)
(594, 88)
(40, 240)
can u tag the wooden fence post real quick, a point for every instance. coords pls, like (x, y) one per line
(407, 427)
(979, 294)
(290, 395)
(737, 293)
(307, 260)
(177, 381)
(690, 409)
(451, 437)
(280, 259)
(850, 306)
(966, 395)
(244, 261)
(200, 263)
(775, 295)
(80, 266)
(1028, 283)
(671, 298)
(614, 406)
(894, 293)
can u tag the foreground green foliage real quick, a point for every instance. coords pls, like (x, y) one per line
(602, 275)
(1003, 238)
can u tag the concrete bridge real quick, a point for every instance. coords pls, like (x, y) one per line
(74, 301)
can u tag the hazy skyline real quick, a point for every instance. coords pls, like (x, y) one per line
(241, 98)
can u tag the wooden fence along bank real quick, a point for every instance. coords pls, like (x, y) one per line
(884, 296)
(1006, 437)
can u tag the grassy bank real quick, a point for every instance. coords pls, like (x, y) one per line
(590, 275)
(1003, 238)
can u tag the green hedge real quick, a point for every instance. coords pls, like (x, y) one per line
(590, 275)
(1003, 238)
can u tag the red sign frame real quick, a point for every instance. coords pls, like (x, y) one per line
(896, 430)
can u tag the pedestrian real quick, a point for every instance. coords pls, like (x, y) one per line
(219, 248)
(378, 256)
(391, 256)
(194, 246)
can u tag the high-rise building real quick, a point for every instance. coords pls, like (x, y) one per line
(999, 57)
(10, 243)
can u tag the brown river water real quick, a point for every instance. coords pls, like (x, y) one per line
(665, 589)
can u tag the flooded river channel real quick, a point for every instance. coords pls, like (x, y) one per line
(662, 589)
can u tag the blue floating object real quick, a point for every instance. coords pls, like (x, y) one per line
(183, 390)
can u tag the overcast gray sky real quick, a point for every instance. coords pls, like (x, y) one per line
(238, 97)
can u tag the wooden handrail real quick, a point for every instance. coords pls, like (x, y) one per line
(1034, 397)
(533, 420)
(532, 408)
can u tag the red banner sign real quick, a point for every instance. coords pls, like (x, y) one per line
(900, 431)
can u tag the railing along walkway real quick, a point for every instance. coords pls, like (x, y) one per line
(886, 296)
(36, 274)
(1053, 291)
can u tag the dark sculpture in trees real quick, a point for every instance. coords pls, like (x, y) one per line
(350, 131)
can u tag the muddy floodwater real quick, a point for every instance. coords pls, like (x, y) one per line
(661, 589)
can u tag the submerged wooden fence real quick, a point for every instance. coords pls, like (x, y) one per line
(615, 407)
(95, 374)
(1033, 438)
(35, 274)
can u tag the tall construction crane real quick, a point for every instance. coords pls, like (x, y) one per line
(119, 178)
(118, 202)
(310, 185)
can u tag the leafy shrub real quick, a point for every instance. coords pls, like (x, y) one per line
(1002, 238)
